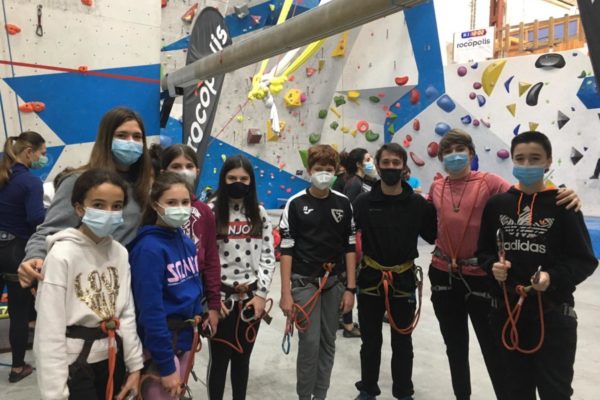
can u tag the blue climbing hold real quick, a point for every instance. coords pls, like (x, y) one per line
(431, 92)
(481, 100)
(466, 119)
(507, 84)
(475, 65)
(441, 128)
(446, 103)
(516, 130)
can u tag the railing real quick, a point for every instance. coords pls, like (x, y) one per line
(555, 34)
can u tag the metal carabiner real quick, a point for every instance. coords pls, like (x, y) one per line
(229, 303)
(247, 314)
(39, 30)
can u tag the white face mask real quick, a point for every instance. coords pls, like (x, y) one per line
(188, 175)
(322, 179)
(175, 217)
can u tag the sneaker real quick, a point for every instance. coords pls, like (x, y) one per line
(594, 177)
(15, 377)
(352, 333)
(364, 396)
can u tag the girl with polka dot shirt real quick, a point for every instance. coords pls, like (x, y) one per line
(245, 242)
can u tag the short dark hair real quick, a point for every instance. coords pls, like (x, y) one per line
(455, 136)
(392, 148)
(356, 156)
(532, 137)
(96, 177)
(174, 151)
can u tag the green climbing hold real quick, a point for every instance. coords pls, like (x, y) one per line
(391, 129)
(371, 136)
(323, 114)
(314, 138)
(374, 99)
(582, 75)
(339, 101)
(334, 125)
(304, 157)
(392, 116)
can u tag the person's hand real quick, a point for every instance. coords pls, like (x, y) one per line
(286, 303)
(500, 270)
(172, 384)
(212, 321)
(543, 282)
(131, 385)
(30, 271)
(224, 311)
(258, 304)
(347, 302)
(568, 197)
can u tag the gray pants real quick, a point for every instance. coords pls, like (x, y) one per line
(316, 347)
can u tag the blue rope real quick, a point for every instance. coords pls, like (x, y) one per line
(13, 72)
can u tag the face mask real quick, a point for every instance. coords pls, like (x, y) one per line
(456, 162)
(188, 175)
(369, 168)
(321, 180)
(527, 176)
(176, 217)
(102, 223)
(390, 176)
(40, 163)
(127, 152)
(237, 190)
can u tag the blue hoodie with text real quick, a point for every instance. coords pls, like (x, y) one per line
(166, 284)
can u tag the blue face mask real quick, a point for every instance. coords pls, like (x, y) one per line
(127, 152)
(40, 163)
(369, 168)
(102, 223)
(529, 175)
(456, 162)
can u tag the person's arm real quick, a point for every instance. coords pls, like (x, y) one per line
(50, 342)
(147, 277)
(211, 265)
(34, 202)
(350, 259)
(266, 267)
(487, 252)
(287, 227)
(428, 229)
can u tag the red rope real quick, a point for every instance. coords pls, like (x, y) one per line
(387, 278)
(109, 327)
(513, 318)
(303, 322)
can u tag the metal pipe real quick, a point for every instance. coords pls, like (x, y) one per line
(318, 23)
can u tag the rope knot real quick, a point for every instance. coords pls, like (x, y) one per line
(522, 290)
(328, 266)
(111, 324)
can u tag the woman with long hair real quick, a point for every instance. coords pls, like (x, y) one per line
(21, 210)
(120, 146)
(245, 242)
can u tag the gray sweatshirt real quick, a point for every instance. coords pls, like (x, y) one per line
(61, 215)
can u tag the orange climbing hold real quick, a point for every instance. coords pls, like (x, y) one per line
(12, 29)
(88, 3)
(83, 68)
(416, 125)
(415, 96)
(401, 80)
(163, 3)
(189, 14)
(32, 106)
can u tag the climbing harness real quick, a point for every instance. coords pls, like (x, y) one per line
(39, 30)
(387, 281)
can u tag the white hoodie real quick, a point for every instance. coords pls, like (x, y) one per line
(84, 283)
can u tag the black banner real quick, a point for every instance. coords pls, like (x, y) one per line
(209, 35)
(590, 18)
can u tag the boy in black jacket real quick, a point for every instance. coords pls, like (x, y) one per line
(533, 247)
(391, 217)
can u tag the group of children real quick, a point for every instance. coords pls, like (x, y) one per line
(133, 270)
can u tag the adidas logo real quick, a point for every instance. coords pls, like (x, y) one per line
(519, 245)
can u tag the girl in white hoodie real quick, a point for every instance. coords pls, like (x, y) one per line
(85, 337)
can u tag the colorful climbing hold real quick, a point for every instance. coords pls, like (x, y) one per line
(562, 120)
(340, 48)
(416, 125)
(431, 92)
(406, 143)
(310, 71)
(335, 111)
(474, 65)
(345, 129)
(446, 103)
(374, 99)
(512, 108)
(416, 159)
(415, 96)
(401, 80)
(466, 119)
(322, 114)
(188, 16)
(481, 100)
(534, 94)
(533, 126)
(490, 76)
(292, 98)
(516, 130)
(476, 85)
(433, 149)
(362, 126)
(461, 71)
(391, 129)
(485, 123)
(12, 29)
(503, 154)
(472, 95)
(476, 122)
(314, 138)
(32, 106)
(353, 95)
(441, 128)
(507, 84)
(303, 97)
(339, 101)
(576, 156)
(88, 3)
(321, 65)
(390, 115)
(371, 136)
(334, 125)
(550, 60)
(523, 86)
(304, 157)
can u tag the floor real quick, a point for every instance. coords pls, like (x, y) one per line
(273, 373)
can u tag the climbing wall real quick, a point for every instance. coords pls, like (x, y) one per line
(63, 64)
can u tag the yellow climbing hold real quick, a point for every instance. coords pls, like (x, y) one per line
(340, 49)
(490, 76)
(354, 133)
(321, 64)
(512, 108)
(523, 86)
(345, 129)
(335, 111)
(223, 157)
(239, 118)
(533, 126)
(273, 136)
(353, 95)
(292, 98)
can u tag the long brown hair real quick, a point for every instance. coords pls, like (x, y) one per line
(14, 146)
(101, 156)
(161, 184)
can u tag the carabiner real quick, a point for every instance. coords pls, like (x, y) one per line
(39, 30)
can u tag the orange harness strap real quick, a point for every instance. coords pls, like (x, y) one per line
(513, 319)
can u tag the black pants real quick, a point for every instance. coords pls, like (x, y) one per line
(370, 318)
(453, 311)
(90, 383)
(221, 355)
(550, 370)
(20, 301)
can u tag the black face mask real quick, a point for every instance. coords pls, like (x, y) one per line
(390, 176)
(237, 190)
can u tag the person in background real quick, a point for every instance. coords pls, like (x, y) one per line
(245, 243)
(21, 211)
(120, 146)
(155, 152)
(341, 175)
(413, 181)
(51, 187)
(85, 305)
(182, 160)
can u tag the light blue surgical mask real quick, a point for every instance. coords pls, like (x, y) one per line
(528, 175)
(39, 163)
(127, 152)
(102, 223)
(456, 162)
(369, 168)
(176, 217)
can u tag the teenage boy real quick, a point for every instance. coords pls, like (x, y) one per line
(527, 241)
(391, 217)
(317, 232)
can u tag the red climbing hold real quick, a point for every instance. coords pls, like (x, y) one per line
(406, 143)
(432, 149)
(401, 80)
(416, 159)
(189, 14)
(255, 19)
(12, 29)
(83, 68)
(409, 138)
(32, 106)
(415, 96)
(416, 125)
(310, 71)
(362, 126)
(88, 3)
(163, 3)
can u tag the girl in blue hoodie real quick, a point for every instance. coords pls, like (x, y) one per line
(166, 285)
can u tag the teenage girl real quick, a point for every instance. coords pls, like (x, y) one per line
(166, 286)
(21, 210)
(85, 336)
(245, 242)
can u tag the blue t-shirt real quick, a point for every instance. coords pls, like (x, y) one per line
(414, 183)
(22, 203)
